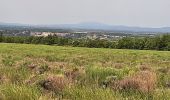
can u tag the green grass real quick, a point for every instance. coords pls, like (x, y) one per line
(19, 92)
(98, 64)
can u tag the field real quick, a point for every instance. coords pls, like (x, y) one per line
(41, 72)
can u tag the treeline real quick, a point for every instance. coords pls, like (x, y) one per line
(147, 43)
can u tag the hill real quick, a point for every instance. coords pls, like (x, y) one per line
(89, 26)
(56, 72)
(114, 28)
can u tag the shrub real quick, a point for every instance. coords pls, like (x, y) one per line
(144, 81)
(55, 83)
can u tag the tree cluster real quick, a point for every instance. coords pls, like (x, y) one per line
(148, 43)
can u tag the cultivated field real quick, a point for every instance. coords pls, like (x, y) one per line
(41, 72)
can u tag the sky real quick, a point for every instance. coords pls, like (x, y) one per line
(143, 13)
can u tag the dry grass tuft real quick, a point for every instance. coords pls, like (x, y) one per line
(118, 65)
(4, 79)
(144, 67)
(31, 81)
(75, 73)
(144, 81)
(55, 83)
(168, 84)
(32, 66)
(164, 70)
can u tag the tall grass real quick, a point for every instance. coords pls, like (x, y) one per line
(23, 67)
(18, 92)
(91, 93)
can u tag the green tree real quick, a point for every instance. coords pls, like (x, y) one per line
(1, 36)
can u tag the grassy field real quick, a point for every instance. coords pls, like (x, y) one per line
(41, 72)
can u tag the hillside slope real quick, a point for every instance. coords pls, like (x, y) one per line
(47, 72)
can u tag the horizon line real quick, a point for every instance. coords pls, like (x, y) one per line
(31, 24)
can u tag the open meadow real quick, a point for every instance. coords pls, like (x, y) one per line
(42, 72)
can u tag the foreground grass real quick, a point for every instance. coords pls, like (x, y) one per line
(23, 67)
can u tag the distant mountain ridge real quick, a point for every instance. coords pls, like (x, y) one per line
(95, 26)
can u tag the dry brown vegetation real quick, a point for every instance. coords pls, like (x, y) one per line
(74, 73)
(119, 65)
(165, 70)
(145, 67)
(4, 79)
(55, 83)
(144, 81)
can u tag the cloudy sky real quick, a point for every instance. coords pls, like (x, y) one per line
(146, 13)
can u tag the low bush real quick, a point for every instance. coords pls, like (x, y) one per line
(144, 81)
(55, 83)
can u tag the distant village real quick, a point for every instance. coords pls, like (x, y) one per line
(76, 34)
(90, 35)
